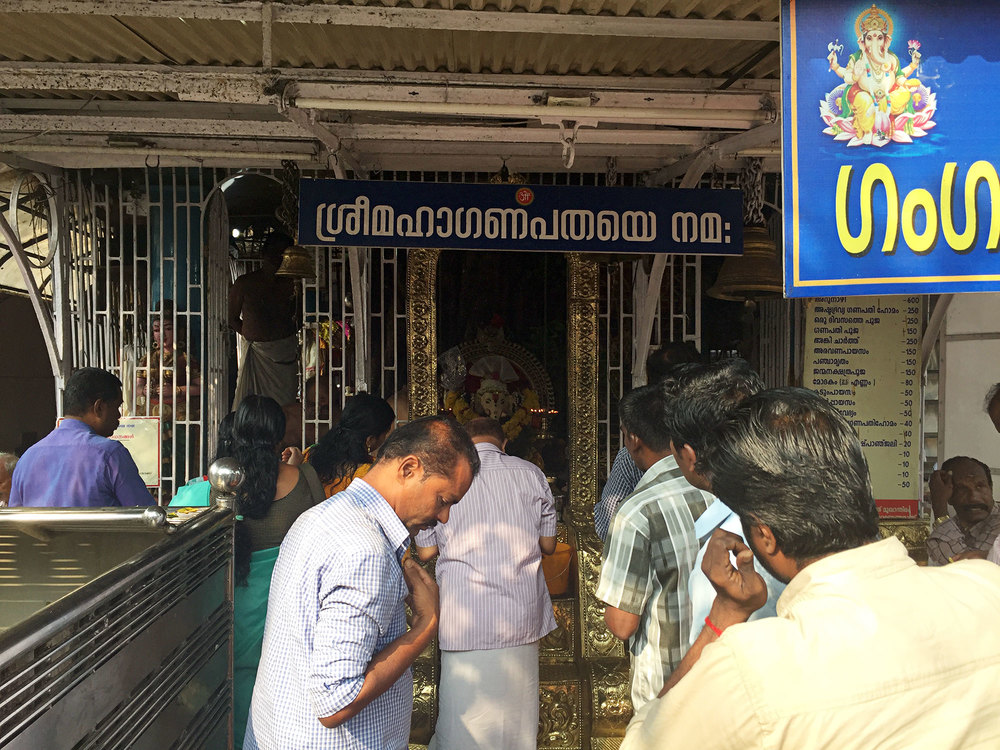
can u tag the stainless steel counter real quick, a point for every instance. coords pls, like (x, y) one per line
(117, 628)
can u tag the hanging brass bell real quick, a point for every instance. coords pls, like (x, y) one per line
(296, 263)
(753, 275)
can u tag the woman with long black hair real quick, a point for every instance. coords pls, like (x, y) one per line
(272, 496)
(347, 451)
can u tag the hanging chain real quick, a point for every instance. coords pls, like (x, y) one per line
(611, 180)
(752, 183)
(288, 211)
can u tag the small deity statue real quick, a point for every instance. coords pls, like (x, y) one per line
(494, 400)
(878, 101)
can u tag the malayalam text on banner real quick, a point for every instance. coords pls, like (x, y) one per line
(557, 218)
(890, 162)
(863, 355)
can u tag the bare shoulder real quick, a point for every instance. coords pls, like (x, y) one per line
(288, 477)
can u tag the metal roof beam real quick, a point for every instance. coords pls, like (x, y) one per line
(117, 124)
(411, 18)
(246, 85)
(331, 134)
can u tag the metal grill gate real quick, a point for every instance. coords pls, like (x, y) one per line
(138, 237)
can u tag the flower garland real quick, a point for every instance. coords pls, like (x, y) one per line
(456, 403)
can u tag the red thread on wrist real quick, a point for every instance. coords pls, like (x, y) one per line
(711, 626)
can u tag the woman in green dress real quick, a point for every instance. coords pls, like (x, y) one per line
(272, 496)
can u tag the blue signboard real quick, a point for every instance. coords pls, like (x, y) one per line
(889, 173)
(520, 217)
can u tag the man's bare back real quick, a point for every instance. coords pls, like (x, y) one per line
(262, 306)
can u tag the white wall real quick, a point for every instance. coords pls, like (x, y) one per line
(970, 364)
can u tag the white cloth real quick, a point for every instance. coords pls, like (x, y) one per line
(488, 700)
(270, 368)
(493, 591)
(702, 592)
(868, 651)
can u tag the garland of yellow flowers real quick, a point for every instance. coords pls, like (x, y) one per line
(456, 403)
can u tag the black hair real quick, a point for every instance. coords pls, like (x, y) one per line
(258, 427)
(701, 396)
(438, 441)
(274, 245)
(661, 361)
(224, 441)
(786, 458)
(85, 386)
(342, 450)
(485, 427)
(950, 464)
(642, 412)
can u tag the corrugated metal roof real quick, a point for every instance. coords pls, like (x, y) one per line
(86, 49)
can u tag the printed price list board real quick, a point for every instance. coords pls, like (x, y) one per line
(863, 355)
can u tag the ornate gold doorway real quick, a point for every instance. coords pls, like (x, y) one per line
(584, 673)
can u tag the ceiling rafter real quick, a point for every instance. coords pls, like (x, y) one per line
(411, 18)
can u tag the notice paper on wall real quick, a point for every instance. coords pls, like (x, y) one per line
(863, 355)
(141, 435)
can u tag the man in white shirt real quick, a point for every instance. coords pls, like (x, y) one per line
(705, 395)
(495, 606)
(865, 644)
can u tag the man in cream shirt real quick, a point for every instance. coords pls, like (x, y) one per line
(868, 649)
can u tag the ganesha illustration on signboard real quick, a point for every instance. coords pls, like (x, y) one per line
(878, 102)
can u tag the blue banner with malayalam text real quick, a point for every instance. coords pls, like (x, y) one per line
(890, 161)
(520, 217)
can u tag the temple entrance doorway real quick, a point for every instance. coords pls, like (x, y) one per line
(502, 338)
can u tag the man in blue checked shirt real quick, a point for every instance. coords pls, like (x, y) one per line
(335, 666)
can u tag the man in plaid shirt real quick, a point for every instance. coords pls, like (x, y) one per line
(651, 549)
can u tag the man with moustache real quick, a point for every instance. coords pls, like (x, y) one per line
(335, 665)
(868, 648)
(967, 485)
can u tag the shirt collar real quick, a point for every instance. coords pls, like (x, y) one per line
(485, 447)
(976, 527)
(377, 507)
(666, 465)
(75, 425)
(864, 563)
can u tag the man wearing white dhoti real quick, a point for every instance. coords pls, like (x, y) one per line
(495, 606)
(262, 310)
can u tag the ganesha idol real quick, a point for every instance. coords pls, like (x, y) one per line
(878, 102)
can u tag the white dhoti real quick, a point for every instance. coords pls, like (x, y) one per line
(488, 700)
(270, 368)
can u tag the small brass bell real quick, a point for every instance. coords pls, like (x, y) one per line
(296, 263)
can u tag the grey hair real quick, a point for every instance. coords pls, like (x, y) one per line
(7, 461)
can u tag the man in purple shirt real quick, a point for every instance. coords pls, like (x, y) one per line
(76, 465)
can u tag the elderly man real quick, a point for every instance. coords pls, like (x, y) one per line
(967, 485)
(495, 606)
(7, 463)
(76, 464)
(335, 665)
(865, 643)
(651, 549)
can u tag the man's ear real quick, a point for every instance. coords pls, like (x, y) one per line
(409, 467)
(763, 537)
(631, 441)
(686, 457)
